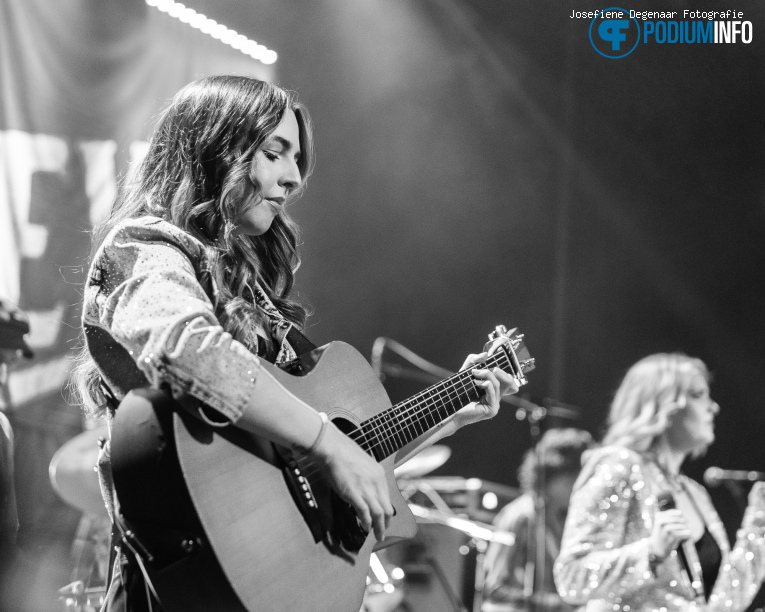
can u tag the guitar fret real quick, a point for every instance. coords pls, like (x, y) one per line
(379, 441)
(400, 433)
(396, 427)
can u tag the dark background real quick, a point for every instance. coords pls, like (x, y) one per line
(478, 164)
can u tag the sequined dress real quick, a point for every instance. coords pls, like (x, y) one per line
(604, 562)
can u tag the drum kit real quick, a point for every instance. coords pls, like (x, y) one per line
(72, 472)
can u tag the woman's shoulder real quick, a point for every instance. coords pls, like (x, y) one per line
(609, 462)
(149, 229)
(618, 455)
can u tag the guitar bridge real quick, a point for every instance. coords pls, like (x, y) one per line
(331, 520)
(302, 493)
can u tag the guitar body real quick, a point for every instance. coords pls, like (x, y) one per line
(226, 521)
(256, 551)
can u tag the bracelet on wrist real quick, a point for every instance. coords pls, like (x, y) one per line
(322, 431)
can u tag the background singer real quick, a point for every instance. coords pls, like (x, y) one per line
(619, 548)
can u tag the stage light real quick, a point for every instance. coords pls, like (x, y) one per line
(228, 37)
(207, 25)
(249, 47)
(187, 16)
(176, 10)
(490, 501)
(218, 31)
(268, 57)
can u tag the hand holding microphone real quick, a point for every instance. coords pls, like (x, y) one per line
(669, 527)
(670, 531)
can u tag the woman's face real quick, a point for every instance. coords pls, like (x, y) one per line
(692, 425)
(276, 171)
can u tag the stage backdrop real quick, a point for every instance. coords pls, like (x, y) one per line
(80, 85)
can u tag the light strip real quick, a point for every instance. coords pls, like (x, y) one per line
(217, 30)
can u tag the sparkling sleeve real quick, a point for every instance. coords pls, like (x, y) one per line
(604, 551)
(149, 299)
(741, 575)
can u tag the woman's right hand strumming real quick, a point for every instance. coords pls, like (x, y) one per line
(357, 478)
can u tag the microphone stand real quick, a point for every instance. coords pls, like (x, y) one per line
(535, 564)
(534, 573)
(526, 410)
(738, 494)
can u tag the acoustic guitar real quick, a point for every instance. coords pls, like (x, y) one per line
(226, 521)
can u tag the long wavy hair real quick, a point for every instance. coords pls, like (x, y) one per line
(198, 167)
(647, 398)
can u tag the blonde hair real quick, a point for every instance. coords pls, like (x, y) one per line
(647, 397)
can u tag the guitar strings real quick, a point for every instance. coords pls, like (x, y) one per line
(387, 429)
(376, 432)
(419, 409)
(422, 409)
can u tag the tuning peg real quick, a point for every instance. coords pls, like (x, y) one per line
(527, 364)
(500, 330)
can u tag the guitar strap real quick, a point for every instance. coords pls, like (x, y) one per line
(299, 343)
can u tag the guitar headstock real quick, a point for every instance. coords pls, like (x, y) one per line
(521, 360)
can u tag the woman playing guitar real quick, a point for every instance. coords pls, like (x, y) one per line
(189, 290)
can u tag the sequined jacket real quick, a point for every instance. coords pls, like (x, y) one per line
(604, 561)
(150, 318)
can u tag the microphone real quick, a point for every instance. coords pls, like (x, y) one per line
(667, 502)
(715, 476)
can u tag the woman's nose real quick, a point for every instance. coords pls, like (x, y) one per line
(291, 179)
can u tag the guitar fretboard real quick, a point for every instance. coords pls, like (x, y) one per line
(392, 429)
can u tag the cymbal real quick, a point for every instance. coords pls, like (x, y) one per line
(475, 529)
(72, 472)
(424, 462)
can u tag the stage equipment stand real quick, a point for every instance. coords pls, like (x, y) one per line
(475, 548)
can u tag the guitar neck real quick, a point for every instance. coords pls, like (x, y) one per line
(392, 429)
